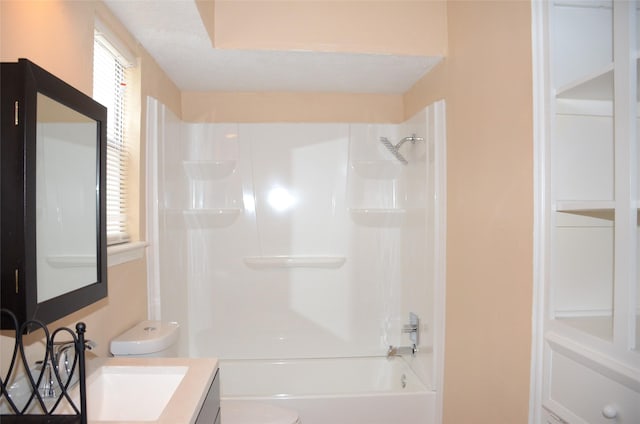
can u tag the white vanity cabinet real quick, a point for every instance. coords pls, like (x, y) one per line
(589, 268)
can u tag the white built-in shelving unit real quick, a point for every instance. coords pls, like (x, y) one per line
(588, 178)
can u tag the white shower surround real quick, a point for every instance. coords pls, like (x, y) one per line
(297, 240)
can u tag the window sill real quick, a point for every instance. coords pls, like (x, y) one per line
(126, 252)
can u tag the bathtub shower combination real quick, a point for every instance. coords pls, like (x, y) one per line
(296, 253)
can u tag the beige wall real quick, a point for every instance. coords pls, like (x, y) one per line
(58, 36)
(291, 107)
(364, 26)
(487, 83)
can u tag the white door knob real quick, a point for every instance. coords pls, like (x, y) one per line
(610, 411)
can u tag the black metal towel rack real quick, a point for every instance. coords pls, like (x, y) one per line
(39, 409)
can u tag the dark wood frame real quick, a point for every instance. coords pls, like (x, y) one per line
(21, 82)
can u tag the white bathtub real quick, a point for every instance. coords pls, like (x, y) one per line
(371, 390)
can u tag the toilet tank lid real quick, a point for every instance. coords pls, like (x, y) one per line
(145, 337)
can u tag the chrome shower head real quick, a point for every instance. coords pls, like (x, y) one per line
(395, 149)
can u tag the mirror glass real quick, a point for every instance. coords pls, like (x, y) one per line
(66, 199)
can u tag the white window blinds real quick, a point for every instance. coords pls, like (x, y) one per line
(109, 89)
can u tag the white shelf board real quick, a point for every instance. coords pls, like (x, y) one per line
(208, 169)
(597, 86)
(598, 326)
(382, 217)
(564, 342)
(601, 208)
(210, 218)
(584, 206)
(286, 261)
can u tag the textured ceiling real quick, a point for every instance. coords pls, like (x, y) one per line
(173, 33)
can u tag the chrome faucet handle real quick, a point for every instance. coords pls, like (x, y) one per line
(66, 345)
(413, 328)
(47, 388)
(394, 351)
(61, 356)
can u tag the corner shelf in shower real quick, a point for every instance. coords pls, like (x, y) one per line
(210, 218)
(287, 261)
(204, 218)
(208, 169)
(377, 169)
(383, 217)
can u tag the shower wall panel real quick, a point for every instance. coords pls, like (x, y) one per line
(294, 240)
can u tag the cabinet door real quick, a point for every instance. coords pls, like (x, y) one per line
(53, 172)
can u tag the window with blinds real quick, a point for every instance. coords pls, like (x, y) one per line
(109, 89)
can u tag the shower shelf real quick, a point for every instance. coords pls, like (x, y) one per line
(377, 169)
(383, 217)
(286, 261)
(210, 218)
(203, 218)
(208, 169)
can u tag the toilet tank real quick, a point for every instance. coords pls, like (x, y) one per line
(148, 339)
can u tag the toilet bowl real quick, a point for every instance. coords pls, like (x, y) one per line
(250, 412)
(159, 339)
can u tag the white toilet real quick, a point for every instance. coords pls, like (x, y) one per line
(158, 339)
(148, 339)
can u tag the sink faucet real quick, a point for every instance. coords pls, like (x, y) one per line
(48, 387)
(62, 359)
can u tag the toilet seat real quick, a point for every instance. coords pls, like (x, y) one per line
(248, 412)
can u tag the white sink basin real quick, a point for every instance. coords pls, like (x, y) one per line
(131, 390)
(131, 393)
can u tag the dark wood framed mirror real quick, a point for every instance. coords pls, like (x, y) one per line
(53, 214)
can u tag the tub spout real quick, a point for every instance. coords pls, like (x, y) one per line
(401, 350)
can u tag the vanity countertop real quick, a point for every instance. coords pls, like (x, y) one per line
(188, 398)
